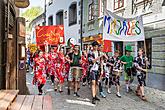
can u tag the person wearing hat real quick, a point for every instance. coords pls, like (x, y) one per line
(114, 65)
(94, 60)
(127, 60)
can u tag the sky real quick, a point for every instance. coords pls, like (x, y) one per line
(34, 3)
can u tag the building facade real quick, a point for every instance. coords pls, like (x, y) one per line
(38, 21)
(153, 14)
(67, 13)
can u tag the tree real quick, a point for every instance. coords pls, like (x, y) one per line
(32, 13)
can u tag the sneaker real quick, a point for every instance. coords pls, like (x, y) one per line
(102, 94)
(118, 95)
(68, 91)
(40, 93)
(109, 91)
(84, 84)
(52, 84)
(55, 89)
(96, 98)
(76, 94)
(60, 91)
(93, 100)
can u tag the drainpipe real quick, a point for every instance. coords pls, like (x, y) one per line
(45, 13)
(81, 25)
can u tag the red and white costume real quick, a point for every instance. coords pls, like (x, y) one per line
(39, 71)
(59, 67)
(84, 65)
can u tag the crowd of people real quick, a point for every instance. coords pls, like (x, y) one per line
(91, 67)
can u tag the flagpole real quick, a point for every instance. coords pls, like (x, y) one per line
(145, 50)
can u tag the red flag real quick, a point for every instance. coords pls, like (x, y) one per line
(107, 46)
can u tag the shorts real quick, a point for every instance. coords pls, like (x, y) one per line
(94, 75)
(114, 80)
(128, 78)
(72, 77)
(141, 79)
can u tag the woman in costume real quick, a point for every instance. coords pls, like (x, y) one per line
(39, 72)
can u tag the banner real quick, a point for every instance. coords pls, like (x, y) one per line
(51, 35)
(116, 28)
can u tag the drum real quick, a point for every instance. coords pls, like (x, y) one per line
(117, 72)
(76, 72)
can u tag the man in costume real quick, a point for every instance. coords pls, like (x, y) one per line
(127, 60)
(94, 60)
(75, 73)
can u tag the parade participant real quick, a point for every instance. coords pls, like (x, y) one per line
(74, 73)
(59, 70)
(52, 61)
(94, 60)
(84, 65)
(39, 76)
(67, 61)
(141, 63)
(102, 71)
(127, 60)
(114, 64)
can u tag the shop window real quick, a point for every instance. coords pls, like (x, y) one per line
(73, 14)
(148, 50)
(118, 4)
(50, 20)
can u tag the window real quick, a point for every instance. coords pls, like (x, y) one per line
(118, 4)
(59, 18)
(119, 46)
(91, 11)
(148, 49)
(50, 20)
(73, 14)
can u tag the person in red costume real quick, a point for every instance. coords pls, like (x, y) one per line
(59, 69)
(84, 65)
(52, 61)
(39, 78)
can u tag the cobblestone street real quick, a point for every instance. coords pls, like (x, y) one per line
(129, 101)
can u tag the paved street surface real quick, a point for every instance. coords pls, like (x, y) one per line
(129, 101)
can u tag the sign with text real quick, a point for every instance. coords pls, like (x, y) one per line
(52, 35)
(116, 28)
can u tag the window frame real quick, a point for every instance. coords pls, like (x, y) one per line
(49, 20)
(91, 11)
(70, 9)
(118, 2)
(60, 13)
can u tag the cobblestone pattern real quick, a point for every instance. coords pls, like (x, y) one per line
(129, 101)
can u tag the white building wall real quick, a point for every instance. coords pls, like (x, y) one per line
(69, 31)
(37, 22)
